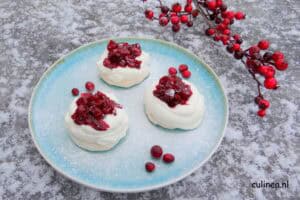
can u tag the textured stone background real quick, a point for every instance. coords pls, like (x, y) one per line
(33, 34)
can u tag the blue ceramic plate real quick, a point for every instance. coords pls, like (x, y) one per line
(122, 168)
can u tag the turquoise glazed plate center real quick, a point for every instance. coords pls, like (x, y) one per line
(122, 168)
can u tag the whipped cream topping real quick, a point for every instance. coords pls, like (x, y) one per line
(124, 76)
(186, 116)
(91, 139)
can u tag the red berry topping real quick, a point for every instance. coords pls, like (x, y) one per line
(172, 71)
(186, 74)
(226, 32)
(236, 36)
(263, 44)
(89, 86)
(236, 47)
(122, 55)
(168, 158)
(270, 83)
(176, 7)
(210, 31)
(239, 15)
(281, 64)
(264, 104)
(261, 113)
(188, 8)
(183, 67)
(163, 21)
(195, 13)
(173, 91)
(175, 19)
(211, 5)
(277, 55)
(189, 24)
(175, 27)
(75, 91)
(253, 50)
(266, 71)
(156, 151)
(92, 109)
(149, 166)
(184, 19)
(149, 14)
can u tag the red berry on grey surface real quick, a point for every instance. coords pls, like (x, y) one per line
(75, 92)
(168, 158)
(156, 151)
(150, 166)
(89, 86)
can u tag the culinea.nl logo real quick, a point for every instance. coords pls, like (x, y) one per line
(266, 184)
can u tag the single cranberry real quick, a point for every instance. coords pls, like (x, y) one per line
(183, 67)
(184, 19)
(239, 15)
(236, 47)
(175, 27)
(75, 91)
(281, 64)
(164, 9)
(253, 50)
(172, 71)
(195, 13)
(168, 158)
(190, 24)
(156, 151)
(149, 14)
(270, 83)
(188, 8)
(150, 166)
(89, 86)
(277, 55)
(210, 31)
(264, 104)
(211, 5)
(163, 21)
(266, 71)
(263, 44)
(223, 7)
(175, 19)
(226, 32)
(236, 36)
(226, 21)
(186, 74)
(176, 7)
(261, 112)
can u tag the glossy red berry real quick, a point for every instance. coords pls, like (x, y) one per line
(226, 32)
(184, 19)
(175, 27)
(156, 151)
(266, 71)
(186, 74)
(176, 7)
(89, 86)
(168, 158)
(183, 67)
(281, 64)
(188, 8)
(277, 55)
(172, 71)
(264, 104)
(263, 44)
(253, 50)
(239, 15)
(75, 91)
(236, 47)
(211, 5)
(210, 31)
(163, 21)
(150, 166)
(149, 14)
(270, 83)
(175, 20)
(261, 112)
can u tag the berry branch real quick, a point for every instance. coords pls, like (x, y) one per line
(257, 60)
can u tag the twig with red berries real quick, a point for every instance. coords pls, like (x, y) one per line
(258, 61)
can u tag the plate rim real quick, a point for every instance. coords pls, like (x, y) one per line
(148, 188)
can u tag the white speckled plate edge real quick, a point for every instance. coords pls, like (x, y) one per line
(133, 190)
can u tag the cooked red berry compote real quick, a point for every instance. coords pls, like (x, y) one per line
(92, 108)
(172, 90)
(122, 55)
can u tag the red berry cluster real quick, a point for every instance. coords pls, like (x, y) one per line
(156, 152)
(219, 19)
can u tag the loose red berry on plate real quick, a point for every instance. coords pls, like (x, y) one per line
(281, 64)
(175, 27)
(184, 19)
(270, 83)
(172, 71)
(239, 15)
(168, 158)
(175, 20)
(163, 21)
(261, 112)
(75, 91)
(211, 5)
(89, 86)
(277, 55)
(176, 7)
(263, 44)
(264, 104)
(149, 166)
(149, 14)
(186, 74)
(156, 151)
(188, 8)
(183, 67)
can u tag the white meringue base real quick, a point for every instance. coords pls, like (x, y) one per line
(124, 76)
(186, 117)
(93, 140)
